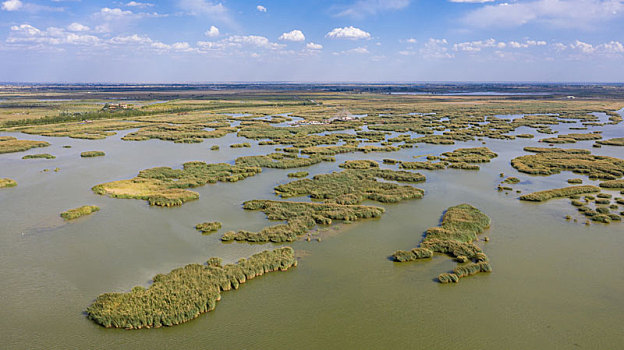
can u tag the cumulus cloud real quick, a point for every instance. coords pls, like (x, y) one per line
(355, 51)
(477, 46)
(313, 46)
(239, 41)
(212, 32)
(435, 49)
(77, 27)
(261, 8)
(27, 34)
(570, 13)
(202, 7)
(610, 48)
(12, 5)
(139, 4)
(348, 33)
(363, 8)
(293, 35)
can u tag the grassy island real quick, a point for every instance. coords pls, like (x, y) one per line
(6, 182)
(354, 186)
(298, 174)
(542, 196)
(79, 212)
(300, 217)
(90, 154)
(455, 236)
(39, 156)
(166, 187)
(550, 161)
(618, 141)
(208, 227)
(614, 184)
(184, 293)
(9, 144)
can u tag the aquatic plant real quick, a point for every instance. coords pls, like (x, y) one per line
(9, 144)
(618, 141)
(208, 227)
(574, 160)
(240, 145)
(542, 196)
(359, 164)
(575, 181)
(214, 148)
(354, 186)
(6, 182)
(300, 218)
(455, 236)
(511, 180)
(469, 155)
(615, 184)
(39, 156)
(90, 154)
(166, 187)
(278, 161)
(78, 212)
(298, 174)
(184, 293)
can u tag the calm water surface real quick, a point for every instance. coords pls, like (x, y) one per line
(556, 284)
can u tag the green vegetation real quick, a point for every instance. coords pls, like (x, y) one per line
(240, 145)
(572, 138)
(511, 180)
(354, 186)
(6, 182)
(542, 196)
(423, 165)
(279, 161)
(469, 155)
(300, 217)
(359, 164)
(575, 181)
(10, 144)
(184, 293)
(39, 156)
(78, 212)
(554, 160)
(166, 187)
(90, 154)
(214, 148)
(298, 174)
(618, 141)
(208, 227)
(455, 236)
(615, 184)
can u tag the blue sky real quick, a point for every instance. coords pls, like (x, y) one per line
(297, 40)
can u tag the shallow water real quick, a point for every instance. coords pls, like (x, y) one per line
(555, 284)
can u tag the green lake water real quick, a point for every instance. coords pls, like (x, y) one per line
(555, 284)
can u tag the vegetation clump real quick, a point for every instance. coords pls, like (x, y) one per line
(469, 155)
(184, 293)
(39, 156)
(615, 184)
(618, 141)
(91, 154)
(300, 218)
(167, 187)
(575, 181)
(554, 160)
(511, 180)
(455, 236)
(542, 196)
(208, 227)
(359, 164)
(354, 186)
(298, 174)
(78, 212)
(9, 144)
(240, 145)
(6, 182)
(278, 161)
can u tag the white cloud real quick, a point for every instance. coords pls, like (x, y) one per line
(293, 35)
(610, 48)
(435, 49)
(570, 13)
(476, 46)
(109, 13)
(239, 42)
(12, 5)
(411, 41)
(313, 46)
(202, 7)
(356, 51)
(139, 4)
(27, 34)
(348, 33)
(363, 8)
(77, 27)
(261, 8)
(212, 32)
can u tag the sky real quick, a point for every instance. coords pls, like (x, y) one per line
(194, 41)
